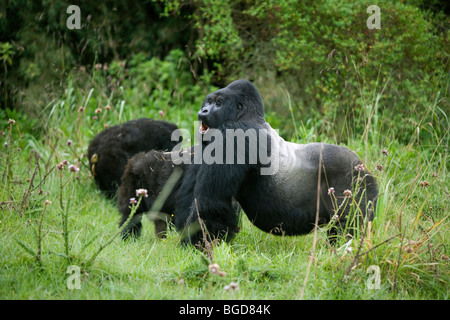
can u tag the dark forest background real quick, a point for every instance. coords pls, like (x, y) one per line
(313, 60)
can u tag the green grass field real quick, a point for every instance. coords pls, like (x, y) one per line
(69, 248)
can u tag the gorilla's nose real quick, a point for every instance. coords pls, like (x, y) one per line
(203, 114)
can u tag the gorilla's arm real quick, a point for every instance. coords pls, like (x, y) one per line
(216, 185)
(210, 196)
(208, 191)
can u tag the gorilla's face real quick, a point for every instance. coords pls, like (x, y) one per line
(239, 101)
(216, 110)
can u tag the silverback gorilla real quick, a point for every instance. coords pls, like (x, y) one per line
(110, 150)
(281, 196)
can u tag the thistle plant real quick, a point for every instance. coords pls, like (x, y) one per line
(141, 193)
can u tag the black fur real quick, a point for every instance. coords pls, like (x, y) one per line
(148, 171)
(110, 150)
(281, 203)
(151, 171)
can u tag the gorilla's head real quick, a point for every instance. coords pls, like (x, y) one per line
(238, 102)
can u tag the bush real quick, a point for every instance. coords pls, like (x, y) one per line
(45, 51)
(323, 54)
(315, 62)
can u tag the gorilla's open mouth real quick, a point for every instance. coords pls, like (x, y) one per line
(203, 128)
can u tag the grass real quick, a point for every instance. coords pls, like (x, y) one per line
(407, 242)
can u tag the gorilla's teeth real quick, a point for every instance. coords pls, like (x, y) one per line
(203, 128)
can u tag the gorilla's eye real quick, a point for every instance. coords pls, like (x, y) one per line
(218, 103)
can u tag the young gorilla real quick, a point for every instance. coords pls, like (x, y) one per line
(110, 150)
(152, 171)
(149, 171)
(281, 200)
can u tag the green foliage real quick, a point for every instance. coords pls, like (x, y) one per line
(332, 65)
(47, 51)
(321, 52)
(6, 52)
(406, 241)
(323, 77)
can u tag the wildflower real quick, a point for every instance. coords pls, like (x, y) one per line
(73, 168)
(410, 246)
(379, 167)
(133, 201)
(424, 184)
(81, 109)
(108, 107)
(12, 122)
(162, 113)
(61, 165)
(98, 110)
(336, 217)
(5, 144)
(98, 66)
(19, 149)
(359, 167)
(69, 142)
(435, 175)
(232, 286)
(331, 191)
(141, 193)
(348, 193)
(215, 269)
(47, 202)
(94, 118)
(384, 152)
